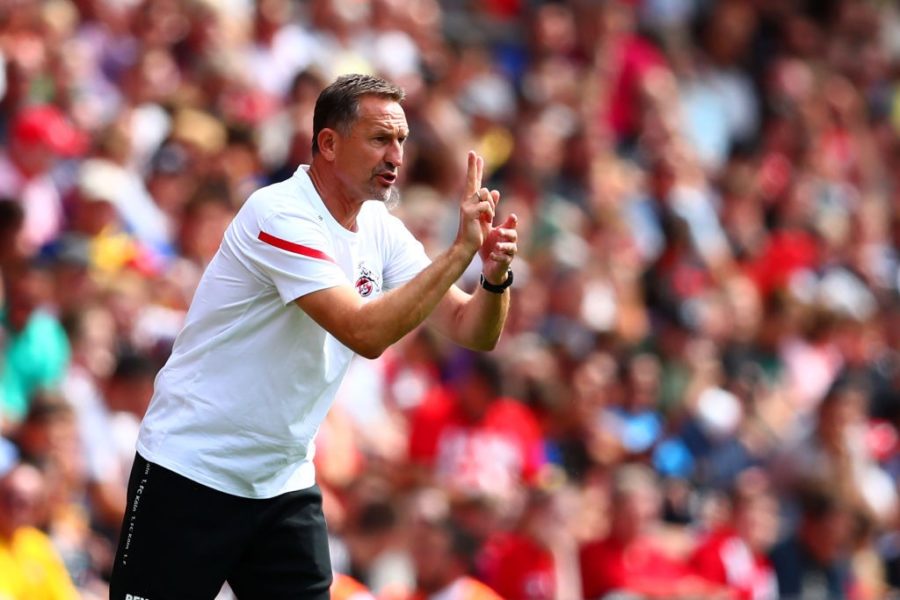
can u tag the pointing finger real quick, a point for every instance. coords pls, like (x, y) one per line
(480, 163)
(473, 174)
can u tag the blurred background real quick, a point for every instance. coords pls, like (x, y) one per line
(697, 394)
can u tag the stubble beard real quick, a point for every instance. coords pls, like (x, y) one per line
(392, 199)
(389, 196)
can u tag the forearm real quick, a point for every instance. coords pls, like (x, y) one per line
(474, 321)
(377, 324)
(479, 320)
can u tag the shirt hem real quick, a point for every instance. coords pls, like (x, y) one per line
(217, 485)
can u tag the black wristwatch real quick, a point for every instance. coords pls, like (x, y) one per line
(497, 289)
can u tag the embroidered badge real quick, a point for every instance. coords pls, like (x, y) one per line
(367, 282)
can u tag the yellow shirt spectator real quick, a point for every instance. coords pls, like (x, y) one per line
(30, 569)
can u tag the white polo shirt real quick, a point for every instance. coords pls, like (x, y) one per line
(251, 376)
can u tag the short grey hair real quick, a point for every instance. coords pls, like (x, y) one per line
(338, 105)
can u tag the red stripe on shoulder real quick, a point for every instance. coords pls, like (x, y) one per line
(292, 247)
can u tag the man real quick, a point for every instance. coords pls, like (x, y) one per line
(38, 137)
(30, 566)
(309, 273)
(633, 558)
(475, 441)
(734, 554)
(442, 554)
(815, 561)
(34, 351)
(535, 560)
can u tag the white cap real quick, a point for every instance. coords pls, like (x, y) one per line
(719, 412)
(100, 179)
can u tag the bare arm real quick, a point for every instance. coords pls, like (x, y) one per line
(476, 320)
(369, 328)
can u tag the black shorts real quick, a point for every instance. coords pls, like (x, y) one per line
(181, 540)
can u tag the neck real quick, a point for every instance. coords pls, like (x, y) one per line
(343, 205)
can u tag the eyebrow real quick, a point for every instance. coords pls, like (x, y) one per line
(380, 127)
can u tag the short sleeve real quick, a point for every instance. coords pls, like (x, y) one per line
(295, 253)
(406, 256)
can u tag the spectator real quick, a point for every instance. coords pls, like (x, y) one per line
(29, 566)
(374, 537)
(814, 562)
(458, 427)
(36, 349)
(531, 561)
(49, 437)
(834, 453)
(443, 555)
(39, 135)
(735, 555)
(633, 557)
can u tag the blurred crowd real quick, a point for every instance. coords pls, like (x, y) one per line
(697, 394)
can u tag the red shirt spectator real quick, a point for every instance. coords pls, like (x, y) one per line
(725, 558)
(787, 252)
(519, 568)
(735, 556)
(632, 558)
(638, 566)
(475, 440)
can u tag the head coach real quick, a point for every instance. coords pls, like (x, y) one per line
(311, 271)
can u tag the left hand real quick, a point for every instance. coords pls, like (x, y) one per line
(499, 249)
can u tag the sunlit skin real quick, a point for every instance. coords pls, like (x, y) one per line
(363, 164)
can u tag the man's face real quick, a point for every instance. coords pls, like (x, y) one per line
(432, 559)
(21, 492)
(368, 158)
(757, 522)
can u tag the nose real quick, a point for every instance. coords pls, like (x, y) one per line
(394, 154)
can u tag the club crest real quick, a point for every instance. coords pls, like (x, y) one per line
(367, 282)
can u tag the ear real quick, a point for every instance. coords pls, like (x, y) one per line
(327, 140)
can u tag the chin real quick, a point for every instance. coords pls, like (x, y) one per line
(389, 196)
(392, 198)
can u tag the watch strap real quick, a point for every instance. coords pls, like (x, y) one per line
(499, 288)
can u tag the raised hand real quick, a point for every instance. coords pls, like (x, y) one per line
(498, 250)
(476, 207)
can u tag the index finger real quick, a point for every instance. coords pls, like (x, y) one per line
(473, 174)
